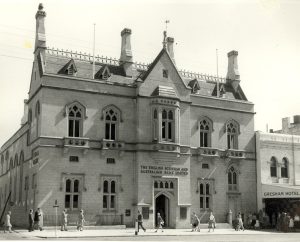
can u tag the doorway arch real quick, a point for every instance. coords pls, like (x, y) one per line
(162, 206)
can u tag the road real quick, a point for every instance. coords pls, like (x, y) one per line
(273, 237)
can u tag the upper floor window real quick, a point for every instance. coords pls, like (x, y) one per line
(284, 168)
(205, 194)
(111, 124)
(72, 193)
(205, 133)
(29, 116)
(109, 193)
(165, 73)
(232, 179)
(155, 124)
(167, 125)
(75, 120)
(232, 130)
(273, 167)
(37, 115)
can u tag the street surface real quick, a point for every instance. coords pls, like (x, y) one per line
(221, 235)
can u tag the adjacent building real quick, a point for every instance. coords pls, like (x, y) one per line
(278, 169)
(114, 136)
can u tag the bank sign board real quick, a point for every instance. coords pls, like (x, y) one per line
(273, 191)
(164, 170)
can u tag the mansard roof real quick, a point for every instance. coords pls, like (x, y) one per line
(57, 61)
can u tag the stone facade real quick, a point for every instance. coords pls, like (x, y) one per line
(146, 137)
(278, 172)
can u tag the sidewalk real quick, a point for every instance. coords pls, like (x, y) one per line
(131, 233)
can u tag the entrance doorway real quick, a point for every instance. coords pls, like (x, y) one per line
(162, 204)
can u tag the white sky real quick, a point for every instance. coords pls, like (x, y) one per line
(266, 33)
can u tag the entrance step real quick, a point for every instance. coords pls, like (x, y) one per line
(218, 226)
(104, 227)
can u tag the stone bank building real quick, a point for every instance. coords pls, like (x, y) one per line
(118, 136)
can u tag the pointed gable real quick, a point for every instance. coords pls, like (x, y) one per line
(69, 68)
(103, 73)
(162, 72)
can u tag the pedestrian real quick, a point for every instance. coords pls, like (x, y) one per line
(7, 224)
(195, 223)
(240, 222)
(140, 221)
(160, 223)
(273, 220)
(81, 221)
(257, 224)
(211, 222)
(30, 220)
(38, 219)
(291, 224)
(64, 220)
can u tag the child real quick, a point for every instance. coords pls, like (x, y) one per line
(256, 225)
(196, 223)
(81, 221)
(160, 223)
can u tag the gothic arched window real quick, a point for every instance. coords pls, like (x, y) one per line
(167, 125)
(232, 179)
(232, 130)
(111, 124)
(205, 133)
(75, 113)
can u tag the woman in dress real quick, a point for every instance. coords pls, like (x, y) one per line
(7, 224)
(160, 223)
(81, 221)
(211, 222)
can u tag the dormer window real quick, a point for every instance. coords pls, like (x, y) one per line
(103, 73)
(70, 70)
(165, 73)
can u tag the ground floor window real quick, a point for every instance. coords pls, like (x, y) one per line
(110, 193)
(205, 191)
(73, 192)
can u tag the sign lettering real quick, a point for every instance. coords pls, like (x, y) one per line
(165, 170)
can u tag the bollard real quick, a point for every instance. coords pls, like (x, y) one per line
(136, 227)
(229, 217)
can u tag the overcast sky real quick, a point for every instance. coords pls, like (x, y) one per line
(266, 33)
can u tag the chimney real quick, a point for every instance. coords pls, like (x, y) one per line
(40, 37)
(126, 59)
(233, 75)
(25, 115)
(286, 125)
(170, 42)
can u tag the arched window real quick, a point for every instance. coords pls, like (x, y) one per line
(111, 124)
(166, 185)
(284, 168)
(167, 125)
(232, 180)
(171, 185)
(37, 116)
(109, 194)
(205, 133)
(273, 167)
(232, 130)
(155, 184)
(161, 185)
(155, 124)
(205, 195)
(72, 193)
(21, 161)
(30, 116)
(75, 113)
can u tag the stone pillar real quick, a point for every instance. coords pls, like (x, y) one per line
(40, 36)
(170, 42)
(229, 217)
(126, 59)
(233, 75)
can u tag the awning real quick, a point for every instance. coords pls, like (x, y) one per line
(280, 191)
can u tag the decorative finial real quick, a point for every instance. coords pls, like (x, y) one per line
(165, 40)
(41, 7)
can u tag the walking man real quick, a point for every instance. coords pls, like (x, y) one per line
(81, 221)
(38, 219)
(64, 220)
(140, 221)
(30, 220)
(160, 223)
